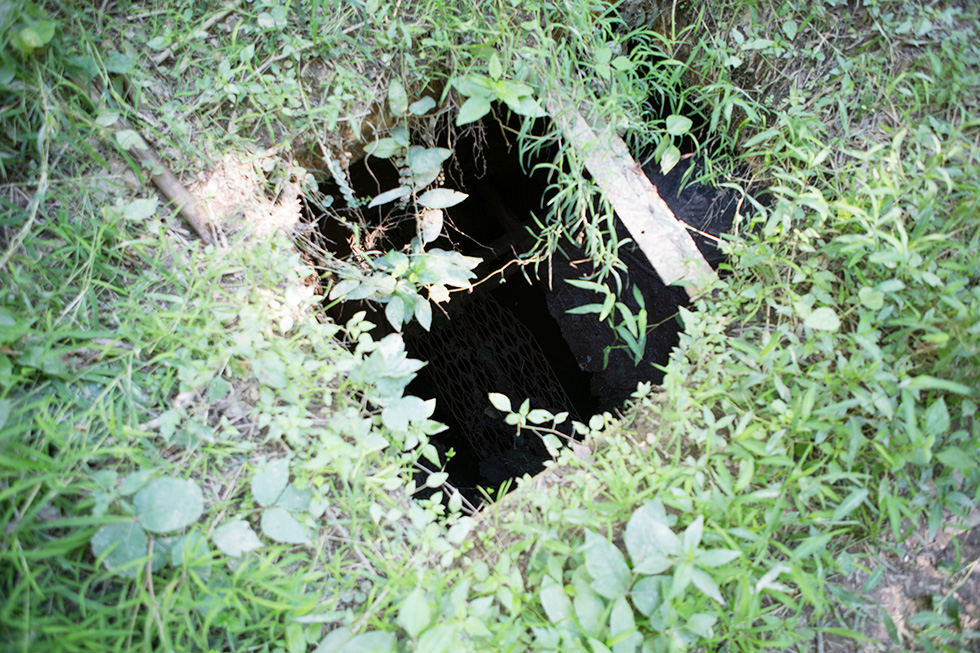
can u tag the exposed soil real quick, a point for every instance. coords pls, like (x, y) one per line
(918, 576)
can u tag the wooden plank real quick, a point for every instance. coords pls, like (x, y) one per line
(662, 238)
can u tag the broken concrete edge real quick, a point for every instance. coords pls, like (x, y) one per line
(661, 237)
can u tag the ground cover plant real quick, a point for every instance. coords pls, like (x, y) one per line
(194, 457)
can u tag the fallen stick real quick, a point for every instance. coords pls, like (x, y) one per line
(171, 188)
(660, 236)
(165, 181)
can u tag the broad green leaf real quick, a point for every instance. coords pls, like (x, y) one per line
(704, 582)
(421, 107)
(588, 285)
(461, 529)
(475, 85)
(423, 312)
(500, 402)
(430, 224)
(678, 125)
(125, 544)
(647, 595)
(930, 619)
(436, 479)
(334, 640)
(129, 140)
(590, 610)
(390, 196)
(398, 414)
(400, 135)
(716, 557)
(585, 309)
(280, 526)
(494, 67)
(681, 579)
(823, 319)
(383, 148)
(692, 535)
(649, 540)
(166, 504)
(790, 29)
(622, 627)
(438, 639)
(117, 62)
(397, 98)
(32, 37)
(957, 458)
(373, 642)
(527, 106)
(140, 209)
(472, 110)
(7, 319)
(295, 500)
(622, 63)
(270, 370)
(605, 563)
(414, 614)
(344, 287)
(395, 312)
(133, 482)
(700, 624)
(539, 416)
(424, 159)
(811, 545)
(670, 158)
(269, 483)
(441, 198)
(555, 601)
(936, 420)
(295, 638)
(873, 299)
(236, 538)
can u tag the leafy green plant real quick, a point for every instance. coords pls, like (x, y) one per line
(396, 278)
(158, 505)
(612, 603)
(629, 328)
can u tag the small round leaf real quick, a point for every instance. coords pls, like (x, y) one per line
(678, 125)
(441, 198)
(823, 319)
(236, 538)
(280, 526)
(421, 107)
(166, 504)
(125, 543)
(500, 402)
(268, 484)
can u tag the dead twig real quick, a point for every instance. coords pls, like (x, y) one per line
(162, 56)
(169, 186)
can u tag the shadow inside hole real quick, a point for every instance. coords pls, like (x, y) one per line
(516, 337)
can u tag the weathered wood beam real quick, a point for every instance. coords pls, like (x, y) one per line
(662, 238)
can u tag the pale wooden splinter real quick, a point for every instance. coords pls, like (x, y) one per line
(662, 238)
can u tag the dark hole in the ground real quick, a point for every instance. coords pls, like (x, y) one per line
(516, 337)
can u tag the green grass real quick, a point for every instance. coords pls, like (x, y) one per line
(819, 413)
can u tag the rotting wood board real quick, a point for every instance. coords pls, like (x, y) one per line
(662, 238)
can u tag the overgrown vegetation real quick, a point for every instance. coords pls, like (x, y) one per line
(192, 457)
